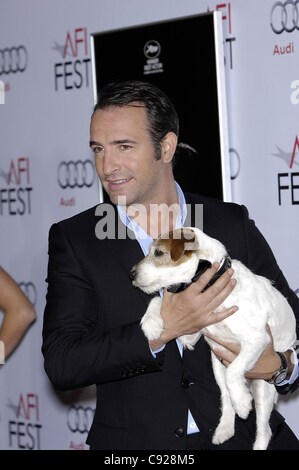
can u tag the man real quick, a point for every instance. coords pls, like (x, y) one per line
(149, 396)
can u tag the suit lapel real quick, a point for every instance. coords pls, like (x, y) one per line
(125, 250)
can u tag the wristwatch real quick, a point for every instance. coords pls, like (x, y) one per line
(281, 373)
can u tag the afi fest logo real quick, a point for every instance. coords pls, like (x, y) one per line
(72, 72)
(24, 430)
(15, 195)
(288, 182)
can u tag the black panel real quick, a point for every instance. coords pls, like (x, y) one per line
(188, 61)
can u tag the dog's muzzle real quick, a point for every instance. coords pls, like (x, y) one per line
(133, 274)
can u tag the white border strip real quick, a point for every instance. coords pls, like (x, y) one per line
(222, 107)
(95, 97)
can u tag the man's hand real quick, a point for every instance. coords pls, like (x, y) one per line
(192, 310)
(267, 364)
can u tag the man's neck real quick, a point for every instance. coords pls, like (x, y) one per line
(157, 217)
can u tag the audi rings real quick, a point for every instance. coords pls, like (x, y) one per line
(285, 16)
(79, 418)
(13, 60)
(76, 174)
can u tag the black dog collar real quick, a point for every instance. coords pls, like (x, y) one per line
(202, 266)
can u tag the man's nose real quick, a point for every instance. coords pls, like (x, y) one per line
(111, 164)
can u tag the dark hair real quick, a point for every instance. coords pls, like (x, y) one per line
(161, 113)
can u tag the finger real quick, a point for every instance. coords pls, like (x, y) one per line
(204, 279)
(219, 316)
(223, 357)
(224, 281)
(217, 294)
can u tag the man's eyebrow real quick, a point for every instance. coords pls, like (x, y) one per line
(93, 142)
(114, 142)
(124, 141)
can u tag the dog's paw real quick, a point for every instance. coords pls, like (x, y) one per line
(152, 323)
(242, 404)
(223, 432)
(152, 328)
(263, 437)
(226, 427)
(189, 341)
(261, 444)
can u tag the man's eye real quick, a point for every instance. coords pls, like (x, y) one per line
(97, 149)
(125, 147)
(158, 252)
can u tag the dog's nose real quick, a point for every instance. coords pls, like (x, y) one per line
(133, 274)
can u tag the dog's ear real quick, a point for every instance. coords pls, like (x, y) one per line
(177, 248)
(181, 240)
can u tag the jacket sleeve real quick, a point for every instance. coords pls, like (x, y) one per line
(261, 260)
(76, 353)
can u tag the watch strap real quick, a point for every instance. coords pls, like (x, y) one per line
(290, 388)
(283, 367)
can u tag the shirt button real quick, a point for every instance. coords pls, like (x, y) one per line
(185, 384)
(179, 432)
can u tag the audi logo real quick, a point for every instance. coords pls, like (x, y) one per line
(285, 16)
(79, 418)
(13, 60)
(29, 290)
(76, 174)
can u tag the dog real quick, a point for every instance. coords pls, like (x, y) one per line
(177, 259)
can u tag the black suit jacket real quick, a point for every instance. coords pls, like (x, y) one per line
(91, 334)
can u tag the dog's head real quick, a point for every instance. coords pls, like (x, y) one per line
(173, 258)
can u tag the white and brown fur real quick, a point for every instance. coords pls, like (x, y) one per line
(173, 258)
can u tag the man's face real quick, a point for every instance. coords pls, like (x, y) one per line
(124, 155)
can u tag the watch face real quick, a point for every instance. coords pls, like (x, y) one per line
(281, 376)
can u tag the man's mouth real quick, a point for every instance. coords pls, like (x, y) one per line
(118, 182)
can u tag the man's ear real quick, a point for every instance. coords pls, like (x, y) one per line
(169, 144)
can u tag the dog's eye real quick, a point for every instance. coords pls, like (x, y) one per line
(158, 252)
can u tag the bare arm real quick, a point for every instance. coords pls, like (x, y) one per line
(18, 312)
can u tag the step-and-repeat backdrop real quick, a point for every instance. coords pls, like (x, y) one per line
(47, 174)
